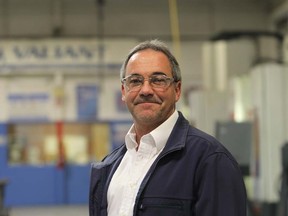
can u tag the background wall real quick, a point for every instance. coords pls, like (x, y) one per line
(208, 66)
(198, 20)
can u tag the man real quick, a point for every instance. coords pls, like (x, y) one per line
(166, 167)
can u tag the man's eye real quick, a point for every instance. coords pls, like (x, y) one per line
(135, 81)
(158, 80)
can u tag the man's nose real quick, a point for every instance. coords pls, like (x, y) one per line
(146, 88)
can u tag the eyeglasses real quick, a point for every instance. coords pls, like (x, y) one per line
(158, 81)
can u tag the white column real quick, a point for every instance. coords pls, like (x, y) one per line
(268, 88)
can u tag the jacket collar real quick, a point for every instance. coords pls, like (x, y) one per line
(178, 135)
(175, 141)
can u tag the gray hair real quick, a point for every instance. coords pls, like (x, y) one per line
(156, 45)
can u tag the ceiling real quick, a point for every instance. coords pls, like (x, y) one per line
(197, 19)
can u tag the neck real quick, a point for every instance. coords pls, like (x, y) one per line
(141, 130)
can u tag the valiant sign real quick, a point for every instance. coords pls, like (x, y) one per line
(62, 52)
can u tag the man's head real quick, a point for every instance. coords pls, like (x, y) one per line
(151, 84)
(155, 45)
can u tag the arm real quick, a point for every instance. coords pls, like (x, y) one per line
(221, 190)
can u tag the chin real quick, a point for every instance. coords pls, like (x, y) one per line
(149, 117)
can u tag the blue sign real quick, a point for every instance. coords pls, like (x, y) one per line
(87, 97)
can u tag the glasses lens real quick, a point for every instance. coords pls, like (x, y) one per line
(134, 82)
(159, 81)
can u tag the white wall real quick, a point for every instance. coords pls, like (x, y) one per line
(268, 97)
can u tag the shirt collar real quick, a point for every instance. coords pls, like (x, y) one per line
(160, 134)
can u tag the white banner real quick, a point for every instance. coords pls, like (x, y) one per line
(29, 100)
(62, 53)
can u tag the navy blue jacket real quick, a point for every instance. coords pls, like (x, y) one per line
(193, 175)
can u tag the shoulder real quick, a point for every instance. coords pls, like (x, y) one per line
(196, 141)
(111, 157)
(213, 158)
(207, 146)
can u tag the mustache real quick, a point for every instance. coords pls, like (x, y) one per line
(147, 100)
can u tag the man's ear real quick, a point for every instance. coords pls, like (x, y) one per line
(178, 90)
(123, 93)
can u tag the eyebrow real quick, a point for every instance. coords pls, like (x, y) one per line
(159, 73)
(154, 73)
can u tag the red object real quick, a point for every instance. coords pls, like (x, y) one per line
(61, 149)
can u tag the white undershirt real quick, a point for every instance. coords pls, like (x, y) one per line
(127, 179)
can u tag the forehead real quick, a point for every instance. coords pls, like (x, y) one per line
(147, 62)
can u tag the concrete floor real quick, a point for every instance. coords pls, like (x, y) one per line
(66, 210)
(80, 210)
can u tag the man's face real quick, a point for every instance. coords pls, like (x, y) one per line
(150, 106)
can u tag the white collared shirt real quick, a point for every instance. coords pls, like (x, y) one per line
(134, 166)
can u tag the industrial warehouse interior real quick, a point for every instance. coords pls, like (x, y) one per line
(60, 62)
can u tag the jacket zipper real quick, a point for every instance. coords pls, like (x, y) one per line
(147, 177)
(142, 207)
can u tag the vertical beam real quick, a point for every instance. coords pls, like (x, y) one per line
(57, 17)
(175, 30)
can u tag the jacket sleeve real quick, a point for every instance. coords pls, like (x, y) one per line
(221, 190)
(96, 192)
